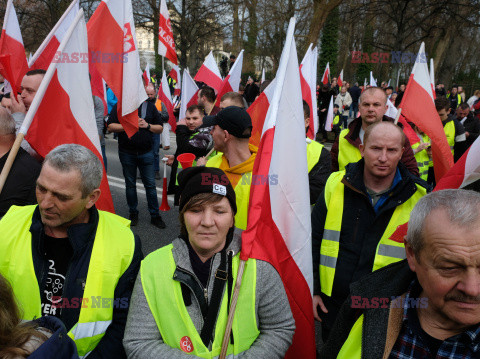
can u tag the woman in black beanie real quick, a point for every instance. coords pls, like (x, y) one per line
(182, 295)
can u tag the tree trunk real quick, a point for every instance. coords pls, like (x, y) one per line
(321, 9)
(236, 28)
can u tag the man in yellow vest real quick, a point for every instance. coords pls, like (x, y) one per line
(354, 222)
(231, 132)
(427, 306)
(318, 161)
(65, 258)
(454, 98)
(372, 107)
(454, 130)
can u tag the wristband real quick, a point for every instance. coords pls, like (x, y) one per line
(148, 127)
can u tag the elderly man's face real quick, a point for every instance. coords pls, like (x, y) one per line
(448, 270)
(59, 197)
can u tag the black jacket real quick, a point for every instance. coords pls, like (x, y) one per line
(82, 237)
(390, 281)
(318, 175)
(361, 231)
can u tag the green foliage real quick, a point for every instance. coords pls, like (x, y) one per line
(364, 68)
(329, 42)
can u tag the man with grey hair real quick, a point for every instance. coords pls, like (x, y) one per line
(372, 106)
(19, 188)
(427, 305)
(65, 258)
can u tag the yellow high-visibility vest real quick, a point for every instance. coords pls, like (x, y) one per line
(347, 153)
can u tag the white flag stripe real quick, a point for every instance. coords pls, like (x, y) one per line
(11, 25)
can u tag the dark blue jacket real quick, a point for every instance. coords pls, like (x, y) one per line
(82, 237)
(59, 345)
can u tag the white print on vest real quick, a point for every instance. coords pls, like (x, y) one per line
(55, 284)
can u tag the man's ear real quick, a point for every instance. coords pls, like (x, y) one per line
(92, 198)
(449, 110)
(361, 148)
(412, 260)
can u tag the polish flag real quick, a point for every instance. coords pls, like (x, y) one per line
(175, 75)
(340, 79)
(418, 106)
(65, 91)
(46, 52)
(13, 61)
(373, 83)
(258, 112)
(278, 229)
(326, 73)
(432, 79)
(466, 171)
(209, 73)
(166, 44)
(308, 80)
(146, 75)
(329, 120)
(189, 95)
(99, 87)
(165, 96)
(111, 39)
(231, 83)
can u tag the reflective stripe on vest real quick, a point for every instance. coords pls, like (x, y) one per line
(449, 129)
(388, 251)
(347, 153)
(314, 150)
(423, 161)
(165, 300)
(112, 254)
(242, 192)
(352, 348)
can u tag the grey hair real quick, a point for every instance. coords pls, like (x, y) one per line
(7, 124)
(461, 206)
(371, 90)
(70, 157)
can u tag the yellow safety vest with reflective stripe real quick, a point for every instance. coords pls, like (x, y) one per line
(347, 153)
(388, 251)
(165, 300)
(336, 120)
(423, 161)
(459, 99)
(352, 348)
(314, 150)
(111, 255)
(449, 129)
(242, 192)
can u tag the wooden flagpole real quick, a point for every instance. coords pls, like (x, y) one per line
(398, 115)
(10, 159)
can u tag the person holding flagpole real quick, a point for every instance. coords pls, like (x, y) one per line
(183, 291)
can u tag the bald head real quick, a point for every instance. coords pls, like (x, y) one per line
(151, 93)
(385, 127)
(372, 106)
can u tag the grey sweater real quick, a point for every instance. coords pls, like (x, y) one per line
(275, 321)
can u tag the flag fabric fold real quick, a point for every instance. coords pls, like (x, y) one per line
(47, 50)
(308, 80)
(326, 74)
(188, 95)
(166, 44)
(231, 83)
(146, 75)
(175, 75)
(209, 73)
(258, 112)
(112, 44)
(65, 91)
(329, 120)
(13, 61)
(166, 98)
(373, 83)
(340, 79)
(263, 76)
(418, 107)
(278, 229)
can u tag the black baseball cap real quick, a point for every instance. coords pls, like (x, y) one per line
(234, 119)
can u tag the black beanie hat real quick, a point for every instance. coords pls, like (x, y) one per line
(195, 180)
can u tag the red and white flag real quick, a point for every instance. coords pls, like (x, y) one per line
(258, 112)
(114, 51)
(329, 120)
(308, 80)
(65, 91)
(210, 74)
(13, 61)
(278, 229)
(326, 74)
(373, 83)
(165, 96)
(432, 79)
(46, 52)
(465, 172)
(231, 83)
(166, 44)
(189, 95)
(146, 75)
(99, 87)
(175, 75)
(418, 106)
(340, 79)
